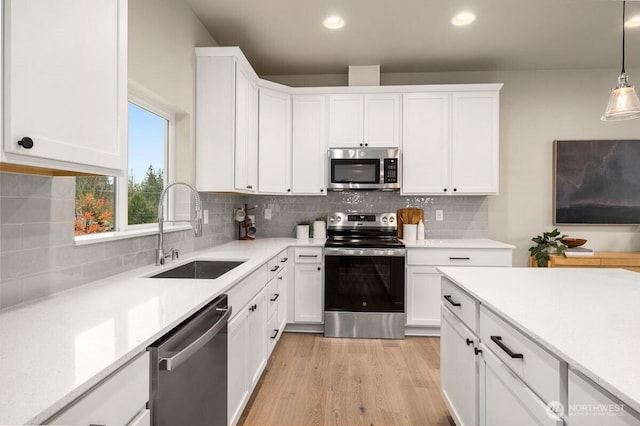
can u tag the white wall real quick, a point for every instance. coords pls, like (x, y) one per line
(537, 107)
(162, 37)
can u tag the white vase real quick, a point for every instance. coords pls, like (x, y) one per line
(302, 232)
(319, 230)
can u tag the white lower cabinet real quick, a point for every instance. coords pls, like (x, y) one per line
(117, 401)
(257, 347)
(423, 296)
(308, 285)
(589, 405)
(459, 369)
(238, 373)
(506, 400)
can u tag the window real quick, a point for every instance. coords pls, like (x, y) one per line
(108, 204)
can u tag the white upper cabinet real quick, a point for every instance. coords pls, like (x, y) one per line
(65, 82)
(371, 120)
(274, 153)
(309, 145)
(425, 143)
(226, 121)
(450, 142)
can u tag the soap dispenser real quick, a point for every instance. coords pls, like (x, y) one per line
(420, 230)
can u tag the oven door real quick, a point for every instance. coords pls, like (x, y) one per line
(364, 280)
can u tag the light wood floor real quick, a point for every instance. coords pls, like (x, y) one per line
(313, 380)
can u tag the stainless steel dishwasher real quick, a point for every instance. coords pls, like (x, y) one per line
(189, 370)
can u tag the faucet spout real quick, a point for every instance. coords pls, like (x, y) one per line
(197, 221)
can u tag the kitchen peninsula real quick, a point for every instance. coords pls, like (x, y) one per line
(566, 338)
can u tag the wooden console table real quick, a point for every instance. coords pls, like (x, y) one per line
(600, 259)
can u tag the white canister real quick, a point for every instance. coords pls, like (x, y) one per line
(302, 232)
(319, 230)
(409, 232)
(420, 230)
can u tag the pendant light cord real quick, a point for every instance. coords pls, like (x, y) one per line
(624, 3)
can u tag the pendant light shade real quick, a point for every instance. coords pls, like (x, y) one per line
(623, 102)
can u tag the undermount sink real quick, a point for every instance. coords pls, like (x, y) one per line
(200, 269)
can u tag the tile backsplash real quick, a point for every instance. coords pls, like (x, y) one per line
(37, 251)
(464, 217)
(38, 255)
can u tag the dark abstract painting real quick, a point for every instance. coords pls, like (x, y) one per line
(597, 182)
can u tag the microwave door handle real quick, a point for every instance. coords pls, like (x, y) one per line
(174, 361)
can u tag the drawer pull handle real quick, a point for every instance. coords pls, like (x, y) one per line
(284, 259)
(498, 341)
(469, 342)
(275, 297)
(448, 297)
(275, 268)
(459, 258)
(275, 333)
(308, 255)
(477, 351)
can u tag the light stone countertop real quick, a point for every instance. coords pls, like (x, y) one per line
(588, 317)
(464, 243)
(54, 349)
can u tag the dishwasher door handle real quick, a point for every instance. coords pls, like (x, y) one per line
(174, 361)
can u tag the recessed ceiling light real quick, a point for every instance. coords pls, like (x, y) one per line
(333, 22)
(633, 22)
(463, 18)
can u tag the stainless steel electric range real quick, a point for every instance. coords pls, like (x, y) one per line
(364, 276)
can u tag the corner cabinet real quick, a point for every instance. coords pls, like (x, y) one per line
(371, 120)
(64, 87)
(226, 121)
(450, 142)
(274, 142)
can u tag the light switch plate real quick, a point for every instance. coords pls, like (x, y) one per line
(439, 215)
(205, 216)
(267, 214)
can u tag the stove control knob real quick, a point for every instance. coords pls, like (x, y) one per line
(384, 219)
(332, 219)
(339, 219)
(391, 219)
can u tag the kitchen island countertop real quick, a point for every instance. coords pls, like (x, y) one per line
(587, 317)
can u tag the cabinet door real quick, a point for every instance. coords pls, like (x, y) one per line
(382, 120)
(283, 286)
(346, 120)
(474, 142)
(309, 145)
(274, 142)
(423, 296)
(238, 373)
(458, 369)
(257, 345)
(308, 293)
(425, 143)
(65, 84)
(506, 400)
(246, 158)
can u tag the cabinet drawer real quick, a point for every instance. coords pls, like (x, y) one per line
(459, 257)
(115, 401)
(273, 294)
(308, 255)
(246, 289)
(460, 303)
(283, 258)
(273, 266)
(542, 372)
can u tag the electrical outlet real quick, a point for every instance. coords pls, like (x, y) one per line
(267, 214)
(205, 216)
(439, 215)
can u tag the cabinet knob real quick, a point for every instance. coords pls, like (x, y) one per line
(477, 351)
(366, 144)
(289, 190)
(455, 189)
(445, 190)
(322, 190)
(361, 144)
(469, 342)
(26, 142)
(318, 268)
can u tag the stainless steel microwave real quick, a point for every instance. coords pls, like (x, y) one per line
(364, 168)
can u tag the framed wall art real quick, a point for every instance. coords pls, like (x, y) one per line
(596, 182)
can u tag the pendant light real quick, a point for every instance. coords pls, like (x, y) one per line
(623, 102)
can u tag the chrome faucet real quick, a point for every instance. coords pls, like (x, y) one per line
(197, 223)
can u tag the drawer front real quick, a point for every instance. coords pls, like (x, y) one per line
(115, 401)
(273, 266)
(246, 289)
(460, 303)
(283, 258)
(273, 294)
(534, 365)
(459, 257)
(308, 254)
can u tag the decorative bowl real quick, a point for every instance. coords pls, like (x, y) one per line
(573, 242)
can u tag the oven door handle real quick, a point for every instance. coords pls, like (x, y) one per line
(396, 252)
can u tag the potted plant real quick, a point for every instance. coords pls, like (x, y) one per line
(547, 243)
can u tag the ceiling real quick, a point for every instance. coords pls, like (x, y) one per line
(284, 37)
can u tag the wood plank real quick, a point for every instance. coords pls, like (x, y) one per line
(313, 380)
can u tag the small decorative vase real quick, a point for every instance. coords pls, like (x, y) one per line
(302, 232)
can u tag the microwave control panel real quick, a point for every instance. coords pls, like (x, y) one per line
(390, 170)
